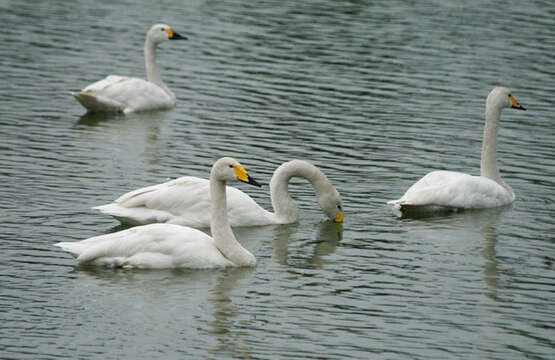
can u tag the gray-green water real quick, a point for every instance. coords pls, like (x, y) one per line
(375, 93)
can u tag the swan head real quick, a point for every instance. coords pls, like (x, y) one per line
(161, 32)
(331, 204)
(229, 169)
(501, 97)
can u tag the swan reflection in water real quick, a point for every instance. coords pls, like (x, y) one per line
(307, 252)
(461, 231)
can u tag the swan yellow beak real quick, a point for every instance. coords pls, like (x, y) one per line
(174, 36)
(514, 104)
(339, 217)
(242, 175)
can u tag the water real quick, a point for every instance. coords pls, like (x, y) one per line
(376, 94)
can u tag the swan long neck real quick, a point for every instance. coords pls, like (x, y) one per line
(283, 204)
(488, 163)
(221, 230)
(152, 74)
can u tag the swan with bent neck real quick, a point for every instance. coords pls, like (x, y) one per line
(159, 246)
(455, 190)
(186, 201)
(129, 94)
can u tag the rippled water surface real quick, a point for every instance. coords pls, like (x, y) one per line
(374, 93)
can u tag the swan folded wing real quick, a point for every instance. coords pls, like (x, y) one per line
(140, 95)
(162, 195)
(105, 83)
(132, 94)
(94, 102)
(149, 246)
(175, 196)
(244, 211)
(454, 189)
(98, 96)
(184, 201)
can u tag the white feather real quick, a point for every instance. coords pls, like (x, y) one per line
(458, 190)
(170, 245)
(130, 94)
(186, 201)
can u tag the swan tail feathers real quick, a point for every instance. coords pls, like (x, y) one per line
(93, 102)
(133, 216)
(74, 248)
(395, 204)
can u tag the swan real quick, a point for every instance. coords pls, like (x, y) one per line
(129, 94)
(440, 190)
(159, 246)
(186, 201)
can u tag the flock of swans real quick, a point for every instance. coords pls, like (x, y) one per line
(169, 215)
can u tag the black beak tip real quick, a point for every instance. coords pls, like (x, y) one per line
(177, 36)
(253, 182)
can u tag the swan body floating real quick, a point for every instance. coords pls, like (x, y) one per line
(174, 246)
(454, 190)
(128, 94)
(186, 201)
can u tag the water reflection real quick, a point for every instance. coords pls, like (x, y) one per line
(489, 231)
(327, 239)
(149, 280)
(226, 326)
(126, 140)
(311, 250)
(377, 101)
(465, 226)
(96, 118)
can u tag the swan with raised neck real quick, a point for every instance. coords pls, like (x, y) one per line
(498, 99)
(439, 190)
(170, 245)
(224, 238)
(154, 38)
(130, 94)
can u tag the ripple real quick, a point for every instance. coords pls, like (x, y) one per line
(376, 95)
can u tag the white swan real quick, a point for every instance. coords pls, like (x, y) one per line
(449, 189)
(186, 201)
(171, 246)
(129, 94)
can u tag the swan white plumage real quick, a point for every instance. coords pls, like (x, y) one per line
(449, 189)
(129, 94)
(186, 201)
(172, 246)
